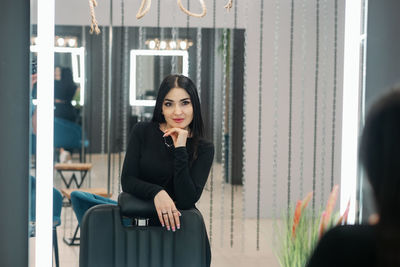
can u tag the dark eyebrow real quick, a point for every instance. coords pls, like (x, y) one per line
(169, 100)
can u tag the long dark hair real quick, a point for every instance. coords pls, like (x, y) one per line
(181, 81)
(380, 156)
(67, 83)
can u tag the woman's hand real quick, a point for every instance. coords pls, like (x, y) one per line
(166, 210)
(178, 135)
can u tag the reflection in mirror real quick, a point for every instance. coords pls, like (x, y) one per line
(145, 76)
(73, 59)
(136, 77)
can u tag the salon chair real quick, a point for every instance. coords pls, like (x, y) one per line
(106, 241)
(82, 201)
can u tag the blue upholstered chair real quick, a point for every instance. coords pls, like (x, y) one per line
(57, 205)
(82, 201)
(67, 135)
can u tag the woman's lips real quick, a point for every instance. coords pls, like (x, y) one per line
(178, 120)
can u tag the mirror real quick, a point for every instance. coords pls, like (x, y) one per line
(116, 100)
(74, 59)
(146, 73)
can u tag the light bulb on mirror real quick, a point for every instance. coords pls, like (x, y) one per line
(60, 41)
(71, 42)
(163, 45)
(183, 45)
(172, 45)
(152, 44)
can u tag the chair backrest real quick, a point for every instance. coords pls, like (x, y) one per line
(82, 201)
(106, 242)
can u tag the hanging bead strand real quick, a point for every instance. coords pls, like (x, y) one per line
(324, 76)
(198, 60)
(214, 132)
(230, 129)
(103, 91)
(260, 96)
(333, 145)
(315, 105)
(223, 132)
(289, 178)
(303, 86)
(276, 105)
(246, 19)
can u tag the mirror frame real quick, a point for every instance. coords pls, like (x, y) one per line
(140, 52)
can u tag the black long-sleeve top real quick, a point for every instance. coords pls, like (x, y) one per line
(151, 166)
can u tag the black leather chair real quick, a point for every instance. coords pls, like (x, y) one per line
(105, 241)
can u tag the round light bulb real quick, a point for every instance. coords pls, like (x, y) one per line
(152, 44)
(172, 44)
(71, 42)
(163, 45)
(183, 45)
(73, 102)
(60, 41)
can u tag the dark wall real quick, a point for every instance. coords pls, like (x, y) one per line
(14, 134)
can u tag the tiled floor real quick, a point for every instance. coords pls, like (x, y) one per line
(233, 239)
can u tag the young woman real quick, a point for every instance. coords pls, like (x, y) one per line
(168, 160)
(377, 244)
(64, 91)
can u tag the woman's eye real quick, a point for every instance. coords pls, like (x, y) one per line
(167, 104)
(186, 102)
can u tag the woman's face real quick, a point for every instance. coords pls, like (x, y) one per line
(177, 109)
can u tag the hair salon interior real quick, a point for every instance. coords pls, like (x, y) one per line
(284, 86)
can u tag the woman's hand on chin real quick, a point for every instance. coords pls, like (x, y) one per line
(178, 135)
(166, 210)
